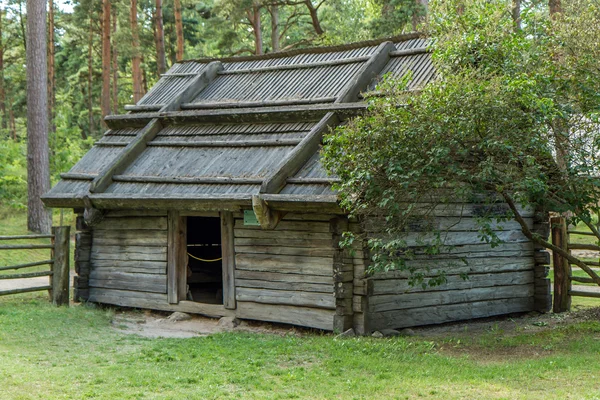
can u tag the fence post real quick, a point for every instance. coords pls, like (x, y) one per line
(60, 268)
(562, 268)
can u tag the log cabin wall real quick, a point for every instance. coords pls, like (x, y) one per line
(500, 280)
(128, 260)
(287, 274)
(83, 251)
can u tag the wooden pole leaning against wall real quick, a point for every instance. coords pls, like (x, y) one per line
(562, 268)
(60, 277)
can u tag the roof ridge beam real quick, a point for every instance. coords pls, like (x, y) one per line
(149, 132)
(369, 71)
(316, 64)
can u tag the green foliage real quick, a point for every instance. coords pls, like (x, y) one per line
(12, 173)
(513, 116)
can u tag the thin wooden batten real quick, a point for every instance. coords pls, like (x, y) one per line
(187, 180)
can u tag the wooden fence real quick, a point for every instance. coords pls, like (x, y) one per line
(58, 262)
(563, 273)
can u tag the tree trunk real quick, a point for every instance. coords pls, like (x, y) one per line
(51, 67)
(106, 60)
(115, 64)
(2, 89)
(136, 61)
(159, 38)
(516, 14)
(314, 17)
(38, 164)
(12, 126)
(90, 76)
(274, 11)
(179, 30)
(254, 19)
(420, 14)
(555, 7)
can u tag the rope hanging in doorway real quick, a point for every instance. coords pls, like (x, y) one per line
(203, 260)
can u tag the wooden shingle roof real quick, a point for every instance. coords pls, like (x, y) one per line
(213, 133)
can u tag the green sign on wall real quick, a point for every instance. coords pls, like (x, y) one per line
(250, 218)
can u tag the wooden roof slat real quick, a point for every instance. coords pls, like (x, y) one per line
(264, 103)
(409, 52)
(228, 143)
(188, 180)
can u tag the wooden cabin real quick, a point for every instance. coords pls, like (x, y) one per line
(209, 197)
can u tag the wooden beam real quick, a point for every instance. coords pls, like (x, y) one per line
(228, 254)
(228, 143)
(267, 217)
(329, 63)
(366, 73)
(299, 156)
(207, 75)
(127, 156)
(176, 257)
(60, 269)
(144, 107)
(264, 103)
(225, 202)
(188, 180)
(409, 52)
(304, 113)
(78, 176)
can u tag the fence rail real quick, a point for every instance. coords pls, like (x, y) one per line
(58, 286)
(563, 274)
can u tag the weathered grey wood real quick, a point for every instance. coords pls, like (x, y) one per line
(207, 75)
(144, 107)
(428, 299)
(111, 144)
(209, 202)
(312, 217)
(285, 264)
(155, 268)
(114, 252)
(136, 213)
(25, 246)
(290, 251)
(415, 239)
(129, 264)
(24, 290)
(304, 203)
(26, 237)
(267, 217)
(447, 313)
(127, 281)
(310, 226)
(303, 316)
(228, 262)
(249, 104)
(343, 275)
(455, 267)
(286, 297)
(303, 243)
(452, 224)
(130, 238)
(581, 280)
(409, 52)
(271, 234)
(83, 252)
(175, 245)
(291, 113)
(329, 63)
(583, 246)
(313, 181)
(27, 265)
(454, 282)
(299, 156)
(581, 233)
(188, 180)
(126, 157)
(369, 71)
(149, 301)
(128, 223)
(274, 277)
(101, 254)
(26, 275)
(60, 268)
(295, 286)
(227, 143)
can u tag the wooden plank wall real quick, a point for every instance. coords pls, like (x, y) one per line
(83, 250)
(129, 259)
(501, 279)
(286, 274)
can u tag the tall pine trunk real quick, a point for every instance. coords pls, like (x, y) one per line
(516, 14)
(51, 67)
(253, 16)
(274, 11)
(136, 61)
(178, 30)
(90, 77)
(38, 164)
(115, 65)
(2, 88)
(106, 60)
(159, 38)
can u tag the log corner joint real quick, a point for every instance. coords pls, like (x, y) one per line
(266, 216)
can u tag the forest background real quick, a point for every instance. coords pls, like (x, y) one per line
(105, 54)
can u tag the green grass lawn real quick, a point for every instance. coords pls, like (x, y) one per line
(73, 353)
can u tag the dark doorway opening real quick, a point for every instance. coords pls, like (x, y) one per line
(205, 265)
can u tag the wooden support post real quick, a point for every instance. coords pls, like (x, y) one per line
(176, 257)
(267, 217)
(562, 268)
(228, 254)
(60, 268)
(83, 252)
